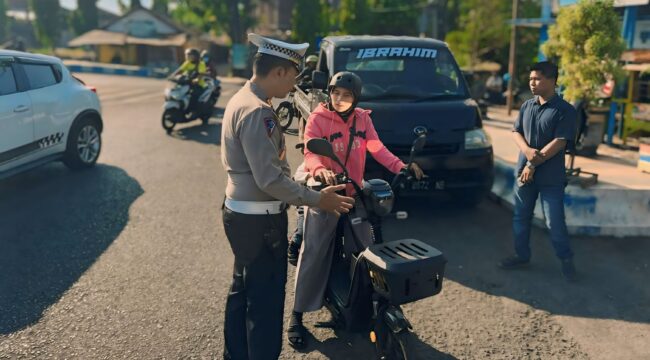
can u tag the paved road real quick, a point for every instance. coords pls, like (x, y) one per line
(129, 260)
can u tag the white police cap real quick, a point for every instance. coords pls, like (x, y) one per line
(292, 52)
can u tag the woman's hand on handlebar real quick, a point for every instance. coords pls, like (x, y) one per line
(326, 176)
(417, 171)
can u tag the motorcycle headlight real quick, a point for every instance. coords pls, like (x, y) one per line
(477, 139)
(380, 195)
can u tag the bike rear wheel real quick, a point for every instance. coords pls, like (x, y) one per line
(390, 345)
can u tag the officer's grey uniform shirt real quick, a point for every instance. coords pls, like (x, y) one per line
(254, 155)
(541, 124)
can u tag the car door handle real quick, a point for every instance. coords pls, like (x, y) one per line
(21, 108)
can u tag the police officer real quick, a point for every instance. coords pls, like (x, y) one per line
(257, 194)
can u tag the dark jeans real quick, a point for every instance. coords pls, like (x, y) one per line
(553, 207)
(255, 304)
(300, 220)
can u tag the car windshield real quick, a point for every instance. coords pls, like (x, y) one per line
(411, 74)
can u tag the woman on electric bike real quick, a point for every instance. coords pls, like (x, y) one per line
(350, 131)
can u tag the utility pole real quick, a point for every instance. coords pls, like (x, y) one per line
(513, 52)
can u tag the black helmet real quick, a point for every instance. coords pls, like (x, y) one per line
(347, 80)
(192, 52)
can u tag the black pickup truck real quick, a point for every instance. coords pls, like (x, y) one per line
(411, 84)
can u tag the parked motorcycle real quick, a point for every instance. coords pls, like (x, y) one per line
(286, 112)
(367, 285)
(177, 107)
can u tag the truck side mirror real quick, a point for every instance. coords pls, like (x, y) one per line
(319, 80)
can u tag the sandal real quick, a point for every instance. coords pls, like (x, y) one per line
(296, 335)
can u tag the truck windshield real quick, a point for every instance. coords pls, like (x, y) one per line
(412, 74)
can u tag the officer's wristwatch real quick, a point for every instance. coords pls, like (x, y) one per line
(530, 165)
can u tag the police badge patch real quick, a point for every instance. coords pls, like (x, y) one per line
(269, 124)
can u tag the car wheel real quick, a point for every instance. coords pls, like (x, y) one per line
(84, 144)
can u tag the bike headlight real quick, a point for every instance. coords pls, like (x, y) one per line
(477, 139)
(380, 195)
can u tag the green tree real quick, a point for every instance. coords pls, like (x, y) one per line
(395, 17)
(587, 43)
(482, 32)
(354, 16)
(129, 5)
(308, 20)
(160, 6)
(4, 20)
(48, 23)
(233, 17)
(85, 17)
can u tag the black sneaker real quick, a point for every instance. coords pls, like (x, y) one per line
(569, 270)
(513, 262)
(293, 251)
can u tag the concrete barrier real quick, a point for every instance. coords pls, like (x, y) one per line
(600, 210)
(113, 69)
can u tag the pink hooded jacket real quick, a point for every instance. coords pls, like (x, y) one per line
(327, 124)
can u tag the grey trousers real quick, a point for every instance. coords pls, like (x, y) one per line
(316, 255)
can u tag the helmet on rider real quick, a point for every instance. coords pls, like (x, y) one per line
(205, 56)
(311, 59)
(192, 54)
(347, 80)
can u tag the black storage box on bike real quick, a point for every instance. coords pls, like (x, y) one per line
(405, 270)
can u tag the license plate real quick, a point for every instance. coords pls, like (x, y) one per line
(420, 185)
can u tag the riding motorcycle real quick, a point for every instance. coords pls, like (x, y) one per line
(177, 107)
(367, 284)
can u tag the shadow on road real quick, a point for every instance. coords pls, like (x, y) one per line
(613, 272)
(209, 134)
(347, 345)
(54, 224)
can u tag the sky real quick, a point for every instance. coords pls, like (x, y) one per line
(110, 5)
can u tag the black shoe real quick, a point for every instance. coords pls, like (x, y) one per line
(513, 262)
(569, 270)
(293, 251)
(296, 332)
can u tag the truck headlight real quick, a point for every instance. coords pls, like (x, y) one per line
(477, 139)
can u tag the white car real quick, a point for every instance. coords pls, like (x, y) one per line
(46, 114)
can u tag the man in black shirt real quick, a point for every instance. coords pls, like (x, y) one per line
(545, 127)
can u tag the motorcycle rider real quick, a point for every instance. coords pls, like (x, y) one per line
(350, 131)
(304, 78)
(195, 69)
(211, 69)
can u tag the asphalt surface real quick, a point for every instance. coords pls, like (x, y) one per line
(129, 260)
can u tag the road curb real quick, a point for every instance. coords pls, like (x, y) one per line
(109, 69)
(600, 210)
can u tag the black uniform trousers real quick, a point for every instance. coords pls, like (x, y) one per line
(255, 304)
